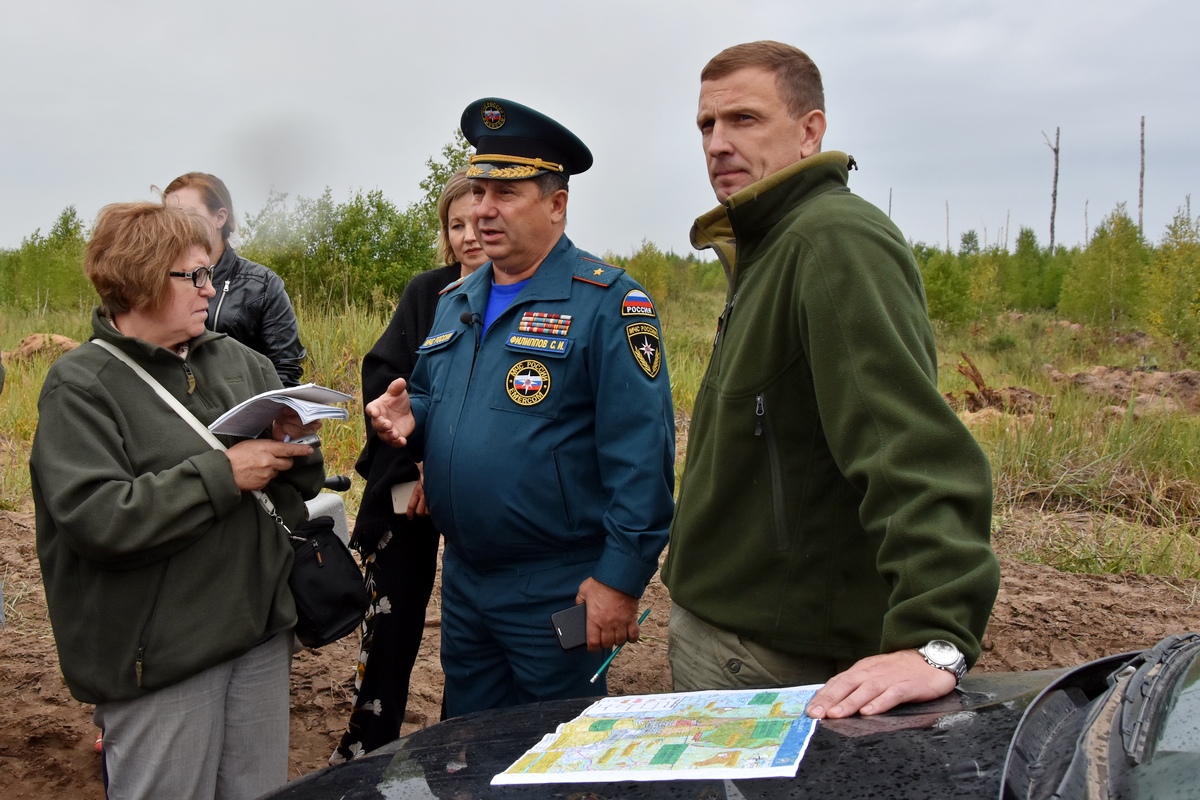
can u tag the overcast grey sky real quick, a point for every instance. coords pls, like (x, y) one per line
(939, 101)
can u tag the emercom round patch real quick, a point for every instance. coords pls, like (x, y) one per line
(528, 382)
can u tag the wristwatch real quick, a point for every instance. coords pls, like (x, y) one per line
(944, 655)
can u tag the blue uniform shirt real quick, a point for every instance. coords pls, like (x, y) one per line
(554, 431)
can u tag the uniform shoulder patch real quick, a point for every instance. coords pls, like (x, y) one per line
(646, 346)
(637, 303)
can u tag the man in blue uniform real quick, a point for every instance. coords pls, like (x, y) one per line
(541, 407)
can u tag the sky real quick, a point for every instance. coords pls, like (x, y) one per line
(946, 105)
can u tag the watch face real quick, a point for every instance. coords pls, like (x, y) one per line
(941, 652)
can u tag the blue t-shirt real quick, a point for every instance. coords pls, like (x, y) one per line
(501, 297)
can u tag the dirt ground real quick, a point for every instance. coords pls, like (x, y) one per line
(1043, 618)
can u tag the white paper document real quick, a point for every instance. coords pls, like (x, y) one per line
(311, 402)
(753, 733)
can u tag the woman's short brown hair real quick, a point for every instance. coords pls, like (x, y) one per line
(133, 247)
(796, 76)
(215, 194)
(458, 185)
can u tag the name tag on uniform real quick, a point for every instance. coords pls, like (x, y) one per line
(437, 341)
(553, 346)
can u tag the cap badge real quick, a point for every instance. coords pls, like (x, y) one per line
(493, 115)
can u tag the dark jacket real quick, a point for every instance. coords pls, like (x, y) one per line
(393, 356)
(833, 505)
(252, 306)
(156, 565)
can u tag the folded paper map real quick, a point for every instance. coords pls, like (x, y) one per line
(311, 402)
(755, 733)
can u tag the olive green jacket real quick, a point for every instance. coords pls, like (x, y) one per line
(832, 504)
(156, 565)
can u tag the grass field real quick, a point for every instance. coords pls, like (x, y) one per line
(1077, 486)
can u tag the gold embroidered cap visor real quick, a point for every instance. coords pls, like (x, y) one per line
(514, 142)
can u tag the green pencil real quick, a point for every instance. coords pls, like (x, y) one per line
(616, 650)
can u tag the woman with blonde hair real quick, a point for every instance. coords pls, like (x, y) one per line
(166, 579)
(399, 544)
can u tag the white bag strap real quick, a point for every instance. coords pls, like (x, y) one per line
(189, 418)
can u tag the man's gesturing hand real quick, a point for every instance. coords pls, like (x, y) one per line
(391, 414)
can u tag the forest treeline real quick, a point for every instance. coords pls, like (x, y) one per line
(362, 253)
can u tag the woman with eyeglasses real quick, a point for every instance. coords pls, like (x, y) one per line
(249, 303)
(166, 579)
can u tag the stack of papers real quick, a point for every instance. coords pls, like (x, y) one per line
(311, 402)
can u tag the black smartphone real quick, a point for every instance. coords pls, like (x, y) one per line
(571, 626)
(311, 439)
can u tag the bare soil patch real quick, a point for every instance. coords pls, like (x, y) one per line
(1147, 391)
(1043, 618)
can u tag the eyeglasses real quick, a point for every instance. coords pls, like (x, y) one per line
(199, 276)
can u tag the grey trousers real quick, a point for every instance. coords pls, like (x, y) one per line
(220, 734)
(705, 657)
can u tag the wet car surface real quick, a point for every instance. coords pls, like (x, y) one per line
(1039, 726)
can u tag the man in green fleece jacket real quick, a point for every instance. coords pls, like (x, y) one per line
(833, 522)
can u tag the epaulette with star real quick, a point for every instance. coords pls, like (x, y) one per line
(589, 270)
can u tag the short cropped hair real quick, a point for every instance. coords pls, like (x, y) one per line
(796, 76)
(550, 182)
(133, 247)
(458, 185)
(215, 194)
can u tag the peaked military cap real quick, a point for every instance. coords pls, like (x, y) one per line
(514, 142)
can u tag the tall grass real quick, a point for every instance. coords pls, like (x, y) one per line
(1084, 485)
(1078, 487)
(336, 339)
(689, 324)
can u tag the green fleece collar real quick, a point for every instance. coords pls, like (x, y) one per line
(714, 229)
(103, 328)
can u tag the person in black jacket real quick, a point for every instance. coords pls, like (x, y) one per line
(250, 304)
(393, 531)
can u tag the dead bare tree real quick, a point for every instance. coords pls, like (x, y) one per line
(1142, 175)
(947, 226)
(1054, 189)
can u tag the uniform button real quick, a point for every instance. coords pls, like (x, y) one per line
(734, 666)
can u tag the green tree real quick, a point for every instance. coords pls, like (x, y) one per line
(1106, 282)
(455, 154)
(947, 287)
(969, 243)
(1173, 283)
(653, 269)
(46, 272)
(1025, 274)
(365, 250)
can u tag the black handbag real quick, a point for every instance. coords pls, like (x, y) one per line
(327, 584)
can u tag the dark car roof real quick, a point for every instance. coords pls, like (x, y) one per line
(952, 747)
